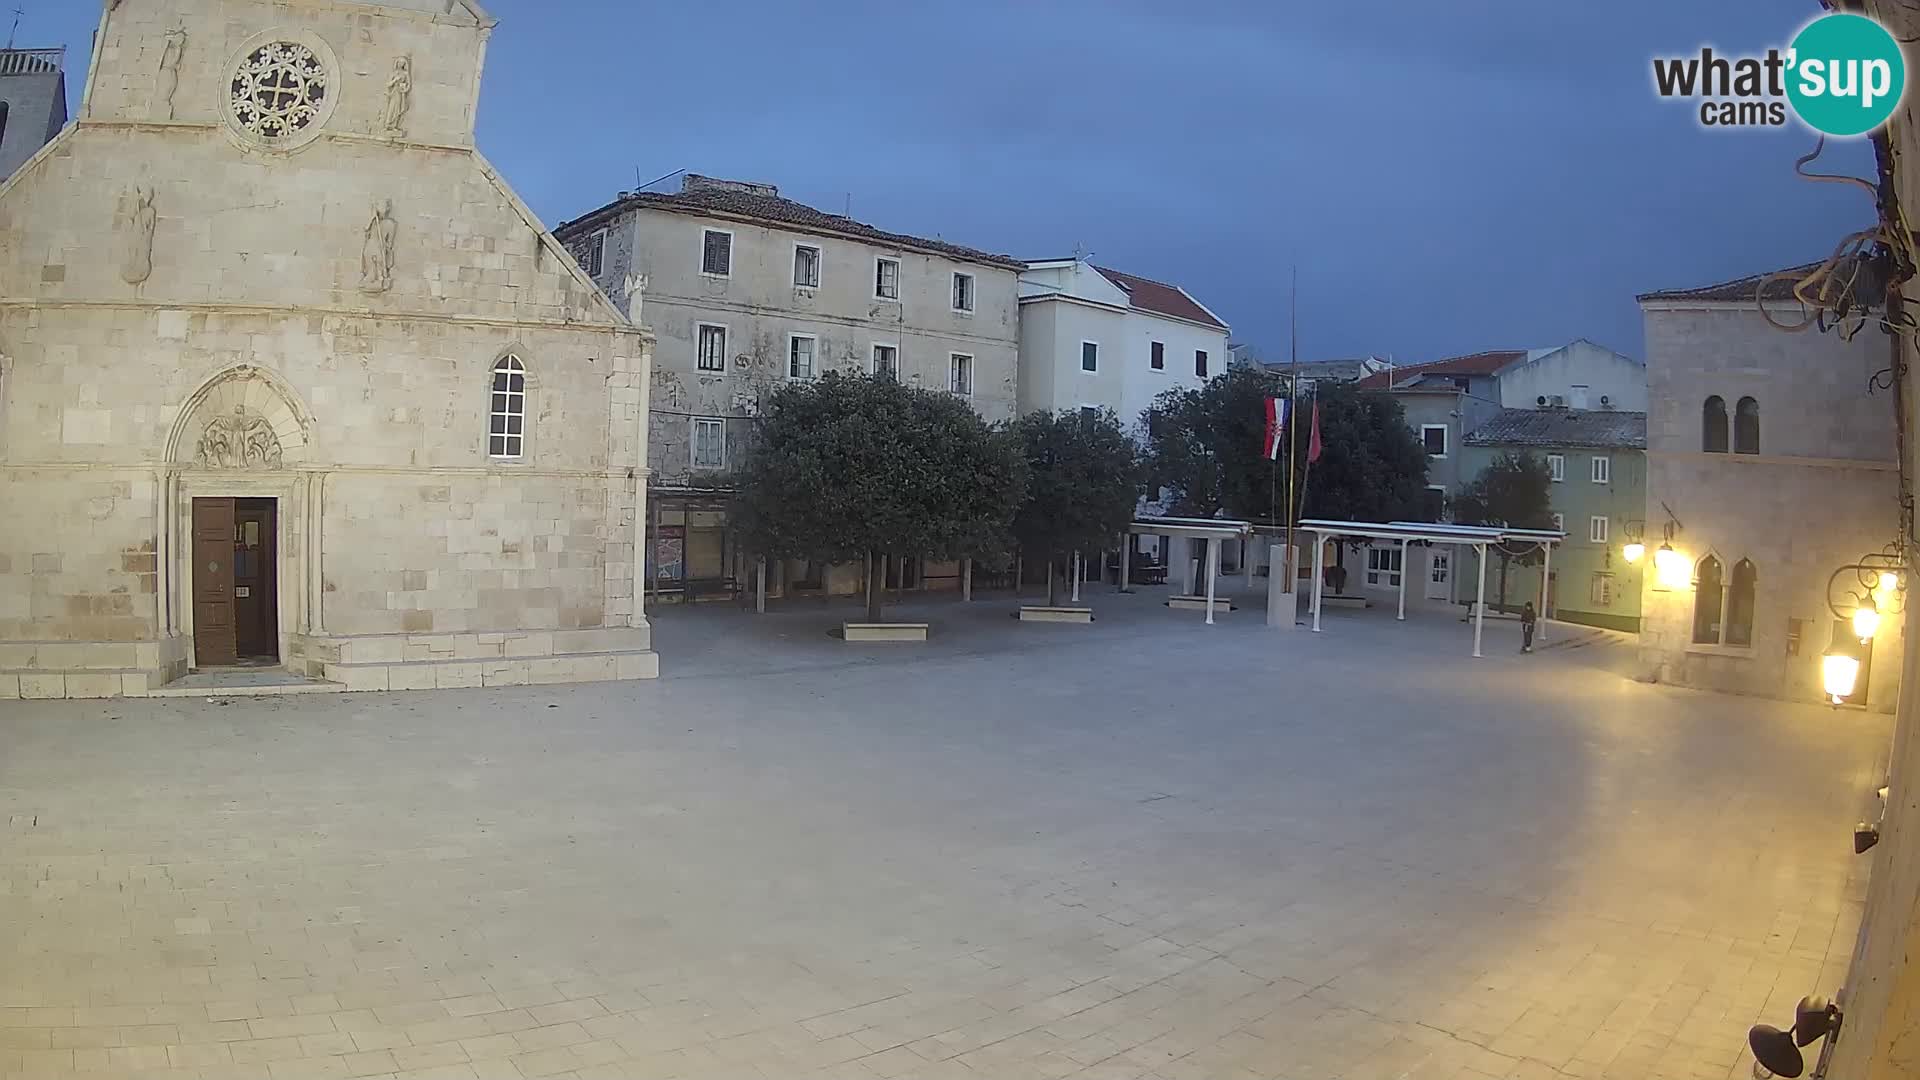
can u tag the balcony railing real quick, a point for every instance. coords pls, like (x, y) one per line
(31, 61)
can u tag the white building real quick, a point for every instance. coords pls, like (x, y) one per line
(1092, 337)
(748, 290)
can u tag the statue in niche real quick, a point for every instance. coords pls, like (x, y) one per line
(376, 253)
(170, 68)
(399, 97)
(136, 236)
(240, 441)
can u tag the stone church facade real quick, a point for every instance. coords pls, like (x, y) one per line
(289, 375)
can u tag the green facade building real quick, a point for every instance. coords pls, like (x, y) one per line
(1598, 459)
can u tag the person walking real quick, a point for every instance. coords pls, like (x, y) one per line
(1527, 619)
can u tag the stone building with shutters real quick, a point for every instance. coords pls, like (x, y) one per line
(289, 376)
(749, 289)
(1771, 466)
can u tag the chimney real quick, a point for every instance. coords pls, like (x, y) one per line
(696, 182)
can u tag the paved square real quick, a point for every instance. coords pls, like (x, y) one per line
(1146, 848)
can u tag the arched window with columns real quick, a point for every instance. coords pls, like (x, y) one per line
(1709, 600)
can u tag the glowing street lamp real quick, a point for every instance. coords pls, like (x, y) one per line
(1634, 551)
(1889, 581)
(1866, 618)
(1670, 567)
(1840, 670)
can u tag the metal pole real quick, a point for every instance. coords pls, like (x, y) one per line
(1480, 599)
(1546, 575)
(1213, 571)
(1246, 557)
(1403, 581)
(1319, 574)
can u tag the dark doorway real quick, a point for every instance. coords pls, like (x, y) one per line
(235, 595)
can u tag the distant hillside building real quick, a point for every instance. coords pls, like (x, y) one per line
(33, 103)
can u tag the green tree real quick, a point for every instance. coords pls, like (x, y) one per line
(1083, 483)
(1205, 449)
(1514, 491)
(846, 467)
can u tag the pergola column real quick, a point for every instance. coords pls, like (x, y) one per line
(1186, 565)
(1213, 571)
(1546, 575)
(1480, 599)
(1126, 560)
(1073, 574)
(966, 580)
(1319, 575)
(1403, 581)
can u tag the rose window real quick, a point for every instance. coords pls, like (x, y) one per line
(278, 91)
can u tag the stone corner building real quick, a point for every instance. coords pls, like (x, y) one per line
(289, 374)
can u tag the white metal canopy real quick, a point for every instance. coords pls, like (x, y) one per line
(1407, 532)
(1212, 530)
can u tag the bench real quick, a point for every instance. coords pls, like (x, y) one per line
(1041, 613)
(884, 631)
(1198, 603)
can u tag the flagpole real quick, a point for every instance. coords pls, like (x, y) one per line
(1293, 410)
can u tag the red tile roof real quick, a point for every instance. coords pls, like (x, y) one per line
(1745, 290)
(1480, 363)
(1160, 297)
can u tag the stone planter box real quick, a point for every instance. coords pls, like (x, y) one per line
(884, 631)
(1341, 601)
(1040, 613)
(1198, 603)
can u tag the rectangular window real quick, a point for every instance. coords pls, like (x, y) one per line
(1200, 362)
(886, 362)
(1434, 438)
(716, 253)
(1556, 467)
(591, 253)
(1383, 566)
(1600, 592)
(806, 266)
(1090, 412)
(1602, 469)
(1159, 359)
(963, 292)
(800, 356)
(709, 443)
(713, 347)
(886, 279)
(960, 373)
(1089, 356)
(1597, 529)
(1435, 504)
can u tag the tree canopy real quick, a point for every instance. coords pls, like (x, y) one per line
(1204, 449)
(1514, 490)
(851, 466)
(1083, 482)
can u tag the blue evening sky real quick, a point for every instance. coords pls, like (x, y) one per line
(1448, 177)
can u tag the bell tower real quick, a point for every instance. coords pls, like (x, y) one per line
(33, 103)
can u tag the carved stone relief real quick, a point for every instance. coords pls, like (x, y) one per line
(136, 236)
(239, 441)
(393, 118)
(376, 252)
(169, 78)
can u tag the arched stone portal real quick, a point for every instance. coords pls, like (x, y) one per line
(244, 417)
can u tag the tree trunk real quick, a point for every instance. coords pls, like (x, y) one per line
(1502, 604)
(1052, 594)
(876, 584)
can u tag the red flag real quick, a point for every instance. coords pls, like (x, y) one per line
(1313, 441)
(1276, 426)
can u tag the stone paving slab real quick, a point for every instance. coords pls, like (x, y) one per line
(1143, 849)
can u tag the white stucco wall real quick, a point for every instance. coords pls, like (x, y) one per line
(1605, 373)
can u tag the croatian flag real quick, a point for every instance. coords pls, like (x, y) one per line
(1276, 426)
